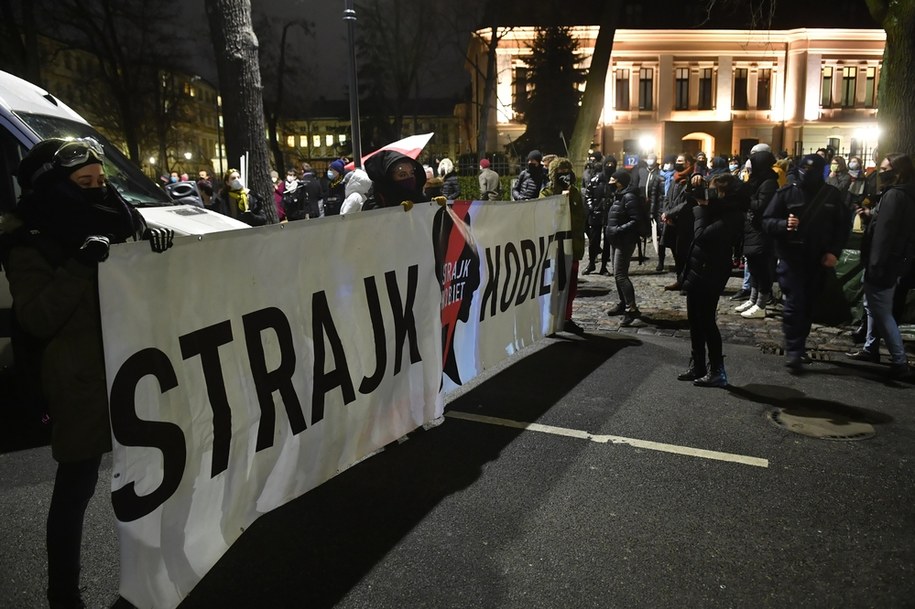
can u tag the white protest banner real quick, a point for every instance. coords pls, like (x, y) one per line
(504, 269)
(248, 367)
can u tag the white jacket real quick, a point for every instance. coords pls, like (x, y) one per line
(358, 184)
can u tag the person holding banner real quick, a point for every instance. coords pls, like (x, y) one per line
(63, 227)
(396, 180)
(562, 181)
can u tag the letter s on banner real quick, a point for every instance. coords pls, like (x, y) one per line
(130, 430)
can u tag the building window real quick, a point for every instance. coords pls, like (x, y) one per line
(646, 88)
(826, 91)
(849, 78)
(329, 140)
(682, 89)
(870, 88)
(740, 89)
(520, 92)
(341, 139)
(303, 141)
(290, 141)
(764, 89)
(706, 79)
(316, 141)
(622, 90)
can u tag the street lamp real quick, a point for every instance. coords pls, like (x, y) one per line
(187, 156)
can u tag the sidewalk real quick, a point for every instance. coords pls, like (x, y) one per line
(664, 313)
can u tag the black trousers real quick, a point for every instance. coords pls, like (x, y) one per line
(594, 232)
(701, 311)
(74, 486)
(801, 282)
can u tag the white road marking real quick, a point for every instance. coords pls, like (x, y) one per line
(602, 439)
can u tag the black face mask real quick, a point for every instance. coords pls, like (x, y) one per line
(887, 178)
(533, 167)
(565, 180)
(679, 166)
(95, 196)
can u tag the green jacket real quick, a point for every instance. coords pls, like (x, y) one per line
(55, 299)
(576, 207)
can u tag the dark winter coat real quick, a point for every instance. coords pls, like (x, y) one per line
(387, 192)
(451, 189)
(623, 217)
(678, 206)
(888, 248)
(333, 198)
(825, 231)
(577, 209)
(596, 199)
(763, 184)
(716, 227)
(529, 185)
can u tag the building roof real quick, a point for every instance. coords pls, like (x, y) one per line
(670, 14)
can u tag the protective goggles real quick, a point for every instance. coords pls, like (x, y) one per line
(73, 153)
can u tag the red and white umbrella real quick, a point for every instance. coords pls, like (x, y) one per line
(409, 146)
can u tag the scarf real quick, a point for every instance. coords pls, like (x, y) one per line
(240, 197)
(682, 176)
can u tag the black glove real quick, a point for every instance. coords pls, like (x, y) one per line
(160, 239)
(93, 249)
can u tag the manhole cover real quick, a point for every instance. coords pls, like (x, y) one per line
(822, 424)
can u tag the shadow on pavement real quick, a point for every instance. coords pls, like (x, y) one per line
(794, 402)
(314, 550)
(21, 425)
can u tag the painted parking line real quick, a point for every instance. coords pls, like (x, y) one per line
(603, 439)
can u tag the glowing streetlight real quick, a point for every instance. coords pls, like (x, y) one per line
(646, 143)
(187, 156)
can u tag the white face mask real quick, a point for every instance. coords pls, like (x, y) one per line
(236, 184)
(733, 166)
(854, 165)
(330, 174)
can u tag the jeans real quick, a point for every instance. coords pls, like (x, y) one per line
(74, 486)
(622, 257)
(878, 304)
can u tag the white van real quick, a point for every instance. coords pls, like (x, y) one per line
(29, 114)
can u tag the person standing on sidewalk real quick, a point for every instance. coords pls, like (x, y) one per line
(888, 251)
(561, 180)
(623, 219)
(809, 223)
(718, 221)
(678, 216)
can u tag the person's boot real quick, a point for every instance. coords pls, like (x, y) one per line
(603, 270)
(716, 376)
(629, 317)
(589, 269)
(619, 309)
(695, 371)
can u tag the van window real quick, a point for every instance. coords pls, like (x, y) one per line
(122, 173)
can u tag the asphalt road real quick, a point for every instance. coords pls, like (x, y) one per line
(636, 491)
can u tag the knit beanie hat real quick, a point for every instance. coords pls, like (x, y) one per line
(39, 166)
(484, 163)
(622, 177)
(534, 155)
(338, 166)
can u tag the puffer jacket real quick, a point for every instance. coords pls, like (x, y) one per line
(358, 185)
(622, 217)
(716, 228)
(888, 248)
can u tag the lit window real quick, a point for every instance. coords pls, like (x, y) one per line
(740, 89)
(303, 141)
(341, 139)
(316, 141)
(682, 89)
(826, 92)
(706, 80)
(646, 88)
(328, 140)
(764, 89)
(622, 90)
(849, 81)
(870, 88)
(290, 141)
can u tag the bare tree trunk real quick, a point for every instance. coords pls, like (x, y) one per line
(489, 86)
(896, 117)
(235, 45)
(593, 99)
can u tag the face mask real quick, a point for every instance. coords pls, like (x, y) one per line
(95, 196)
(887, 178)
(701, 163)
(733, 166)
(565, 180)
(834, 167)
(236, 184)
(408, 184)
(652, 162)
(330, 174)
(854, 165)
(173, 179)
(679, 166)
(532, 166)
(668, 167)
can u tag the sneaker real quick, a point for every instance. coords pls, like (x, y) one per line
(754, 312)
(743, 307)
(572, 328)
(619, 309)
(863, 355)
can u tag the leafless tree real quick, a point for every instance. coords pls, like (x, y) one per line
(236, 48)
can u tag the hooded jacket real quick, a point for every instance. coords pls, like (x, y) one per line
(387, 192)
(358, 186)
(888, 248)
(576, 206)
(451, 188)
